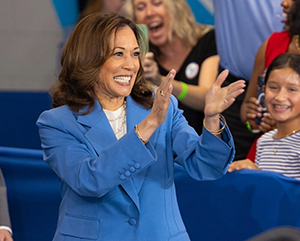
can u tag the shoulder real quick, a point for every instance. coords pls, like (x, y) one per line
(56, 115)
(208, 33)
(266, 136)
(279, 38)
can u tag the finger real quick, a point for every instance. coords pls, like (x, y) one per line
(253, 100)
(221, 77)
(166, 86)
(168, 79)
(235, 90)
(149, 56)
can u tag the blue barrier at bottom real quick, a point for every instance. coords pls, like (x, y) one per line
(33, 194)
(237, 206)
(232, 208)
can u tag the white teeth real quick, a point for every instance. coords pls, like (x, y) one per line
(281, 107)
(154, 25)
(122, 79)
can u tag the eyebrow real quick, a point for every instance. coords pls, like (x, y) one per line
(124, 48)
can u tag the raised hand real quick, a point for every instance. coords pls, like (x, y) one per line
(219, 99)
(159, 109)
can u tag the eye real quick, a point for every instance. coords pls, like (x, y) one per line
(140, 7)
(157, 3)
(272, 87)
(119, 54)
(292, 89)
(136, 54)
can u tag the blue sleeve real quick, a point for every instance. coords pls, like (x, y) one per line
(205, 157)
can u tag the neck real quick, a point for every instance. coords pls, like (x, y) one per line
(111, 104)
(285, 132)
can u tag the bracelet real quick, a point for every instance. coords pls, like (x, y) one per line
(248, 125)
(184, 91)
(218, 132)
(139, 135)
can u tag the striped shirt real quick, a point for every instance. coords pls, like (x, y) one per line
(279, 155)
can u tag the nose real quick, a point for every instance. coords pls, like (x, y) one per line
(149, 10)
(281, 96)
(283, 3)
(130, 63)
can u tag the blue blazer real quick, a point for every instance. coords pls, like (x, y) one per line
(116, 190)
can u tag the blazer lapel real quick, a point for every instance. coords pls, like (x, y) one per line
(101, 135)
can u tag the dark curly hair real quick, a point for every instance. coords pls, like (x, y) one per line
(84, 53)
(293, 19)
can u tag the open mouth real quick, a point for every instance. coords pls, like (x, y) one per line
(122, 79)
(154, 27)
(284, 17)
(281, 107)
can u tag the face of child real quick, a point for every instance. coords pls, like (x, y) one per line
(282, 96)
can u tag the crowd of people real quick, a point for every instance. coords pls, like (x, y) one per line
(124, 111)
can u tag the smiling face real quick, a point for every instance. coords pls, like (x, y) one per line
(118, 73)
(287, 5)
(283, 96)
(153, 14)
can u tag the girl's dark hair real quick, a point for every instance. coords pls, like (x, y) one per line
(83, 55)
(293, 19)
(284, 61)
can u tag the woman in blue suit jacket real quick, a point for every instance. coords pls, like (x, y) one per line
(113, 143)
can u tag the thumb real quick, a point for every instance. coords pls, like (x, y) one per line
(149, 55)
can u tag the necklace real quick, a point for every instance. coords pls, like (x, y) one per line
(275, 149)
(118, 122)
(292, 133)
(280, 139)
(297, 42)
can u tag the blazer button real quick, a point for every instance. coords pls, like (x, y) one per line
(131, 169)
(122, 177)
(132, 221)
(127, 174)
(137, 165)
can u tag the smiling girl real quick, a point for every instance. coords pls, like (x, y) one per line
(278, 150)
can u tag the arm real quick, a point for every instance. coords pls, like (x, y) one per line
(195, 97)
(250, 106)
(88, 161)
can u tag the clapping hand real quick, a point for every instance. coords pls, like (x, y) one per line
(219, 99)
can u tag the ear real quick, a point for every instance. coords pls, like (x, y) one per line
(263, 88)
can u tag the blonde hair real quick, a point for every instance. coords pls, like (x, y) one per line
(182, 21)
